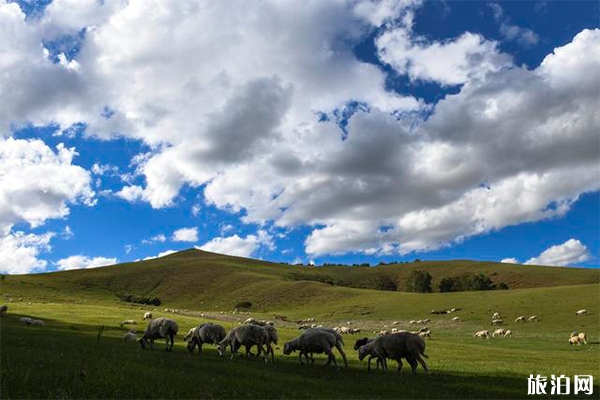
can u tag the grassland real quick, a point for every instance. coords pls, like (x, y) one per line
(64, 359)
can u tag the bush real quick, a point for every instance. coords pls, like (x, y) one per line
(468, 282)
(244, 305)
(418, 282)
(153, 301)
(502, 286)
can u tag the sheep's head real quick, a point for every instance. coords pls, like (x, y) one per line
(222, 346)
(191, 345)
(288, 348)
(360, 342)
(362, 352)
(143, 342)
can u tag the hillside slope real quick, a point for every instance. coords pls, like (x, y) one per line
(201, 280)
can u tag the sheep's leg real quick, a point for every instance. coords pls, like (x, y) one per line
(383, 364)
(413, 364)
(199, 347)
(300, 357)
(422, 362)
(341, 350)
(399, 360)
(270, 350)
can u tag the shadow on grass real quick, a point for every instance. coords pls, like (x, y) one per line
(65, 360)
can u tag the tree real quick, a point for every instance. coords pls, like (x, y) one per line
(419, 282)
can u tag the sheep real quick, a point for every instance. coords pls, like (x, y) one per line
(413, 322)
(533, 318)
(508, 333)
(497, 322)
(455, 319)
(496, 316)
(425, 334)
(425, 321)
(395, 323)
(339, 343)
(147, 315)
(361, 342)
(396, 347)
(581, 312)
(160, 328)
(313, 341)
(582, 336)
(37, 322)
(304, 327)
(499, 332)
(248, 336)
(130, 337)
(520, 318)
(250, 321)
(25, 320)
(482, 334)
(3, 310)
(272, 340)
(128, 322)
(205, 333)
(383, 333)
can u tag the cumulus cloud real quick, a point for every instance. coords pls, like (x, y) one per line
(19, 252)
(509, 260)
(160, 238)
(81, 262)
(511, 32)
(254, 124)
(237, 246)
(161, 254)
(568, 253)
(185, 235)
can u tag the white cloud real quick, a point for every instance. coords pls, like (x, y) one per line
(37, 182)
(80, 262)
(19, 252)
(237, 246)
(160, 238)
(509, 261)
(511, 32)
(513, 146)
(452, 62)
(185, 235)
(161, 254)
(569, 253)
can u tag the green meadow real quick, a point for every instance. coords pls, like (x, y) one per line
(73, 357)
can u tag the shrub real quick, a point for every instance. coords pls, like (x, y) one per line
(154, 301)
(245, 305)
(418, 282)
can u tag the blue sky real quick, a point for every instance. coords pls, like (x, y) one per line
(345, 132)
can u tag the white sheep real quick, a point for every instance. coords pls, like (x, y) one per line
(520, 318)
(190, 333)
(313, 341)
(396, 347)
(128, 322)
(206, 333)
(582, 337)
(497, 322)
(482, 334)
(499, 332)
(581, 312)
(25, 320)
(160, 328)
(37, 322)
(130, 337)
(425, 334)
(496, 315)
(533, 318)
(3, 310)
(246, 335)
(508, 333)
(455, 319)
(147, 315)
(575, 340)
(382, 333)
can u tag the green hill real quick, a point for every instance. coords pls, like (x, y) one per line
(196, 279)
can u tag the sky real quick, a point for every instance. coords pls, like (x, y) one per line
(316, 131)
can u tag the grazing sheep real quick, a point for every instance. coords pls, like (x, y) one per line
(382, 333)
(520, 318)
(497, 322)
(313, 341)
(38, 322)
(147, 315)
(160, 328)
(25, 320)
(130, 337)
(3, 310)
(205, 333)
(496, 316)
(455, 319)
(426, 321)
(508, 333)
(425, 334)
(250, 321)
(413, 322)
(533, 318)
(581, 312)
(499, 332)
(482, 334)
(128, 322)
(395, 323)
(303, 327)
(396, 347)
(248, 336)
(361, 342)
(582, 337)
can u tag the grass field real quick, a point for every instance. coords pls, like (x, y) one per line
(64, 359)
